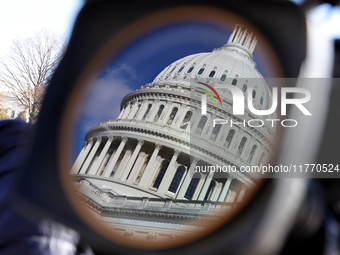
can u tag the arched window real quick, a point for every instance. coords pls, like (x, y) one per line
(223, 77)
(159, 112)
(200, 71)
(177, 179)
(201, 125)
(244, 88)
(252, 152)
(254, 94)
(172, 116)
(229, 138)
(234, 82)
(215, 131)
(192, 186)
(261, 100)
(186, 120)
(210, 190)
(180, 70)
(160, 174)
(137, 112)
(147, 111)
(190, 69)
(140, 174)
(172, 69)
(212, 73)
(241, 146)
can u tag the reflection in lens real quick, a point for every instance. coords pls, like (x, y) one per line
(168, 167)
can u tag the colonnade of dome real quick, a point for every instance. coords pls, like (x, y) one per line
(161, 137)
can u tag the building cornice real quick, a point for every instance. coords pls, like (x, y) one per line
(188, 212)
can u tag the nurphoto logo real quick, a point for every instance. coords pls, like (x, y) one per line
(239, 107)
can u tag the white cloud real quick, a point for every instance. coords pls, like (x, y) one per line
(105, 95)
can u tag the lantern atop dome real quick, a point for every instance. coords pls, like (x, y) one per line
(243, 39)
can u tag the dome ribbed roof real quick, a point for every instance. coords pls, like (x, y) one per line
(230, 64)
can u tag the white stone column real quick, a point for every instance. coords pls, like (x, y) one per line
(187, 179)
(156, 168)
(198, 188)
(150, 168)
(115, 157)
(121, 114)
(195, 119)
(155, 107)
(180, 114)
(132, 160)
(136, 167)
(232, 35)
(125, 160)
(209, 126)
(241, 195)
(81, 157)
(216, 192)
(91, 155)
(143, 109)
(169, 174)
(225, 190)
(127, 111)
(133, 110)
(104, 164)
(166, 112)
(96, 165)
(205, 186)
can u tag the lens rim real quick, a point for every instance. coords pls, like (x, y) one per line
(85, 41)
(132, 32)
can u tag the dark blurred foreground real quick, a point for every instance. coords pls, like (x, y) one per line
(18, 235)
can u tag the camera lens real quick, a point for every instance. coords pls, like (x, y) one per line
(165, 149)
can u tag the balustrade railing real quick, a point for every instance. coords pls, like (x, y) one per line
(87, 188)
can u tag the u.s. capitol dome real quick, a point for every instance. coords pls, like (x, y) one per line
(160, 136)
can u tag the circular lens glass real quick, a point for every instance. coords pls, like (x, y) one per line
(160, 143)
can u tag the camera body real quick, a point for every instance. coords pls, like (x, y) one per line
(299, 210)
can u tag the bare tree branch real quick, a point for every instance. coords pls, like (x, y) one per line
(28, 67)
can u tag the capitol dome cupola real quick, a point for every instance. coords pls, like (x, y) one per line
(230, 64)
(232, 60)
(242, 39)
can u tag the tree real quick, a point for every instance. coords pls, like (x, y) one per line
(28, 68)
(3, 111)
(22, 115)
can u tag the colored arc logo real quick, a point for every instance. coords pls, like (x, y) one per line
(208, 92)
